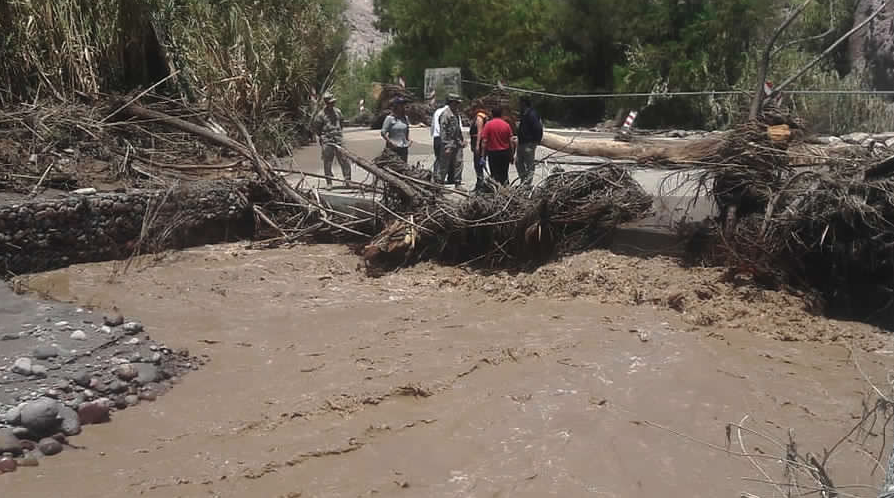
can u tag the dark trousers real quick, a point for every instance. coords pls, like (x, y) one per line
(436, 145)
(402, 152)
(476, 160)
(499, 165)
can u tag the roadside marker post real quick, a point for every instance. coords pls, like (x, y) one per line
(624, 134)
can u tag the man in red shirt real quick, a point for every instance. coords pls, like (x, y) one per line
(496, 140)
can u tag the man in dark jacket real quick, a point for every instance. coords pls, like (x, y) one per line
(530, 133)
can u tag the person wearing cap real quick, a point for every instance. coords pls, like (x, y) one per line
(327, 125)
(452, 142)
(396, 129)
(530, 133)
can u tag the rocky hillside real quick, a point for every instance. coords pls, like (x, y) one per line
(872, 48)
(365, 39)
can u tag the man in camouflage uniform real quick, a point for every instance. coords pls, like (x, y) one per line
(452, 142)
(327, 127)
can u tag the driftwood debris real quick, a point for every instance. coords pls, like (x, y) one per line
(672, 154)
(264, 171)
(512, 227)
(826, 230)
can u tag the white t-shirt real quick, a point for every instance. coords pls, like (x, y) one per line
(436, 122)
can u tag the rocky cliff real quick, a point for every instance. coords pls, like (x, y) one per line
(365, 39)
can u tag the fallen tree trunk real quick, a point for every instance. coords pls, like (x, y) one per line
(136, 111)
(719, 148)
(644, 153)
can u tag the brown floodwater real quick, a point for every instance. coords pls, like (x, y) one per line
(326, 383)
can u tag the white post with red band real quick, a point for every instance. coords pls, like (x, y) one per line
(628, 123)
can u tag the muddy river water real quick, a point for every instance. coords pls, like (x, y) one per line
(326, 383)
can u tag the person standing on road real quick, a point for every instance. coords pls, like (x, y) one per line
(452, 142)
(436, 138)
(327, 125)
(475, 127)
(530, 133)
(496, 141)
(396, 129)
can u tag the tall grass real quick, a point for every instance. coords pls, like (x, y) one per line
(55, 46)
(261, 57)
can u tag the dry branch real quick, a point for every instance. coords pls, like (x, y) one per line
(758, 98)
(509, 227)
(410, 193)
(829, 50)
(200, 131)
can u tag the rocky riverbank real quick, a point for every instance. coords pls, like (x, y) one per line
(63, 367)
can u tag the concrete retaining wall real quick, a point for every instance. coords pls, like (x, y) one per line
(47, 234)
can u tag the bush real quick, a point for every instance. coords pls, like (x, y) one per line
(355, 82)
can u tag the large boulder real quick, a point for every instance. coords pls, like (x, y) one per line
(41, 416)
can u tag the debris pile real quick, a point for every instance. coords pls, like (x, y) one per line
(512, 227)
(82, 143)
(826, 229)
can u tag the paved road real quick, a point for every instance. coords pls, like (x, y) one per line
(674, 192)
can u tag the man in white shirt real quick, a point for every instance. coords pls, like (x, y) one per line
(436, 137)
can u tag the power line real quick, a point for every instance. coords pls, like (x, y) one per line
(671, 94)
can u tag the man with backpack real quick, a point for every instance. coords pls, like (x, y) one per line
(530, 133)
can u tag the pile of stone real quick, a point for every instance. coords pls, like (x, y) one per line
(62, 387)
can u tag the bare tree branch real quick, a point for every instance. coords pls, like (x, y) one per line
(814, 37)
(828, 50)
(758, 98)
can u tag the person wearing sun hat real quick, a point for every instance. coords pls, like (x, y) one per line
(396, 129)
(327, 125)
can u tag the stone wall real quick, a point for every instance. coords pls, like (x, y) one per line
(45, 234)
